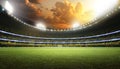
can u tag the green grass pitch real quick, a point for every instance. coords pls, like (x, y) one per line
(60, 58)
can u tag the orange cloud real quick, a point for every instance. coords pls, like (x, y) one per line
(62, 14)
(33, 6)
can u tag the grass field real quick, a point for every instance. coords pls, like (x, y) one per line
(60, 58)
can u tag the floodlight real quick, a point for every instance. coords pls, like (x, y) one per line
(41, 26)
(8, 7)
(75, 25)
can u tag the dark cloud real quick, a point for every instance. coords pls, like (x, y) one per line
(36, 1)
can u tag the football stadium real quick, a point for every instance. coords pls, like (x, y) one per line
(59, 34)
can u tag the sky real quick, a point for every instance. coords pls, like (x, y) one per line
(60, 14)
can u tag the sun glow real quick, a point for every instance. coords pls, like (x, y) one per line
(102, 7)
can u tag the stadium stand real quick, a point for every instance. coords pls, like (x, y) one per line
(15, 32)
